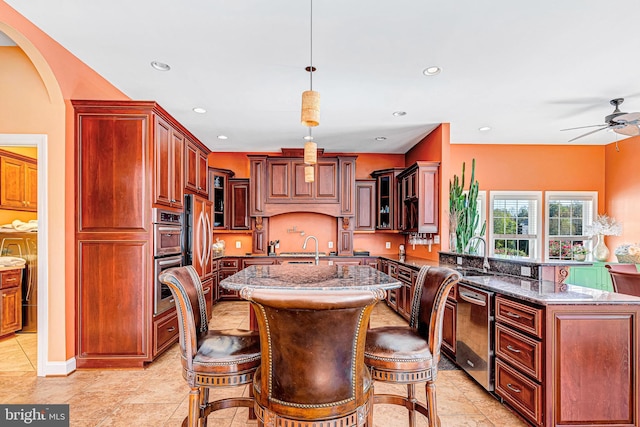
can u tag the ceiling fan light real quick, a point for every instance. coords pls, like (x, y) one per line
(310, 116)
(310, 153)
(309, 174)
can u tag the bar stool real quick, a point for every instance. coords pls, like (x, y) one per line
(313, 372)
(210, 358)
(624, 279)
(410, 354)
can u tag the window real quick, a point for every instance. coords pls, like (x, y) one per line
(567, 215)
(514, 224)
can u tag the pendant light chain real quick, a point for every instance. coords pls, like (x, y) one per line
(311, 48)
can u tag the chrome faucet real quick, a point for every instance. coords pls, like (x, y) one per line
(304, 246)
(485, 264)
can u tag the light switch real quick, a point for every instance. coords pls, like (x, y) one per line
(330, 244)
(387, 245)
(525, 271)
(238, 244)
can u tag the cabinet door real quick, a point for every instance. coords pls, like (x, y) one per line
(13, 183)
(31, 186)
(279, 178)
(449, 328)
(176, 177)
(168, 164)
(203, 178)
(191, 166)
(11, 310)
(365, 205)
(428, 199)
(239, 204)
(202, 237)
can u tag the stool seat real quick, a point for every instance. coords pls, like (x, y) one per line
(397, 348)
(227, 351)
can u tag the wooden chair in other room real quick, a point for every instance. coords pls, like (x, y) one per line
(210, 358)
(313, 372)
(410, 354)
(625, 282)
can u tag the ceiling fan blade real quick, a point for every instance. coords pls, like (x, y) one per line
(628, 118)
(583, 127)
(630, 130)
(589, 133)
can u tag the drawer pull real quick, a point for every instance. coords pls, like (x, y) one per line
(172, 300)
(207, 291)
(513, 349)
(512, 314)
(514, 389)
(171, 329)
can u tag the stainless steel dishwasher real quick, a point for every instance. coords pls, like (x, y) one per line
(474, 334)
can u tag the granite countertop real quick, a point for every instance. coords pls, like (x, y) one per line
(318, 277)
(545, 292)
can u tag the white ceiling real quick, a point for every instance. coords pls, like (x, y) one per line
(526, 69)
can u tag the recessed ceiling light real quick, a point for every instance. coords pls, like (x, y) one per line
(222, 136)
(484, 128)
(381, 138)
(431, 71)
(399, 113)
(199, 110)
(160, 66)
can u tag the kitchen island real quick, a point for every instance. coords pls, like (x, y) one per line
(564, 354)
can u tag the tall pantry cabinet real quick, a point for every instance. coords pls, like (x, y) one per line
(128, 160)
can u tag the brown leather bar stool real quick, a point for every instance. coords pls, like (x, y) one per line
(313, 372)
(624, 279)
(410, 354)
(210, 358)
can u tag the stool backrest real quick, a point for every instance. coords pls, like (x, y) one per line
(313, 348)
(433, 285)
(625, 282)
(191, 308)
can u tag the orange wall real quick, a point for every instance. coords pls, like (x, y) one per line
(39, 75)
(623, 190)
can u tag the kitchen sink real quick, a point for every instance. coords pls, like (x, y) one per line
(464, 272)
(302, 254)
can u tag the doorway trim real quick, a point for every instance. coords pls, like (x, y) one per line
(39, 141)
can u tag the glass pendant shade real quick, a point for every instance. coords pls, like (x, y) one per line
(309, 174)
(310, 153)
(310, 108)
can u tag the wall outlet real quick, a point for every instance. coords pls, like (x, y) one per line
(525, 271)
(330, 244)
(387, 245)
(459, 260)
(238, 244)
(436, 239)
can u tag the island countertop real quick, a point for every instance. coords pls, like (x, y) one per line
(302, 276)
(545, 292)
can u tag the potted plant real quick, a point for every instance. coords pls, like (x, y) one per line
(579, 252)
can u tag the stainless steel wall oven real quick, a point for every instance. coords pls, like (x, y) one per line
(167, 253)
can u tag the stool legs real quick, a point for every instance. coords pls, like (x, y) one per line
(434, 420)
(194, 407)
(411, 404)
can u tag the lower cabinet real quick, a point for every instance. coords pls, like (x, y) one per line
(10, 301)
(449, 324)
(165, 331)
(227, 267)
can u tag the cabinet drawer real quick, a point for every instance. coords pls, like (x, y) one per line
(519, 391)
(522, 317)
(10, 278)
(165, 332)
(228, 263)
(227, 294)
(520, 351)
(405, 274)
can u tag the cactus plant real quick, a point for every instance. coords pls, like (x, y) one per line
(463, 209)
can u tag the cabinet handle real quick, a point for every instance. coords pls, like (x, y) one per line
(512, 314)
(207, 291)
(168, 235)
(513, 349)
(514, 389)
(172, 300)
(171, 329)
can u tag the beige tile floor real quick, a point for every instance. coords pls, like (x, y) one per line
(157, 395)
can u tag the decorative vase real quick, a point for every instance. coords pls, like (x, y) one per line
(579, 257)
(600, 250)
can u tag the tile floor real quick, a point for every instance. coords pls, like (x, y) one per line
(157, 396)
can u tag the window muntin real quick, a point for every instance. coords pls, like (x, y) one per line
(567, 215)
(515, 224)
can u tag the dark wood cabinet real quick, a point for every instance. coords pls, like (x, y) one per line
(287, 183)
(202, 256)
(168, 164)
(165, 331)
(365, 205)
(18, 182)
(419, 198)
(10, 301)
(196, 178)
(239, 192)
(219, 195)
(449, 324)
(227, 267)
(387, 198)
(136, 149)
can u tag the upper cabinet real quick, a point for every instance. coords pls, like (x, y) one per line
(239, 193)
(365, 205)
(168, 164)
(196, 177)
(18, 182)
(219, 195)
(278, 186)
(387, 198)
(419, 198)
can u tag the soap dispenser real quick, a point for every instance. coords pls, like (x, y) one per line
(402, 252)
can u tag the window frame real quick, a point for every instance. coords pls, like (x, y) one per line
(536, 254)
(567, 195)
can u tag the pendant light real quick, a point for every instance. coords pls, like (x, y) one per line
(310, 114)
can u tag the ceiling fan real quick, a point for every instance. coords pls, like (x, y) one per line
(619, 122)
